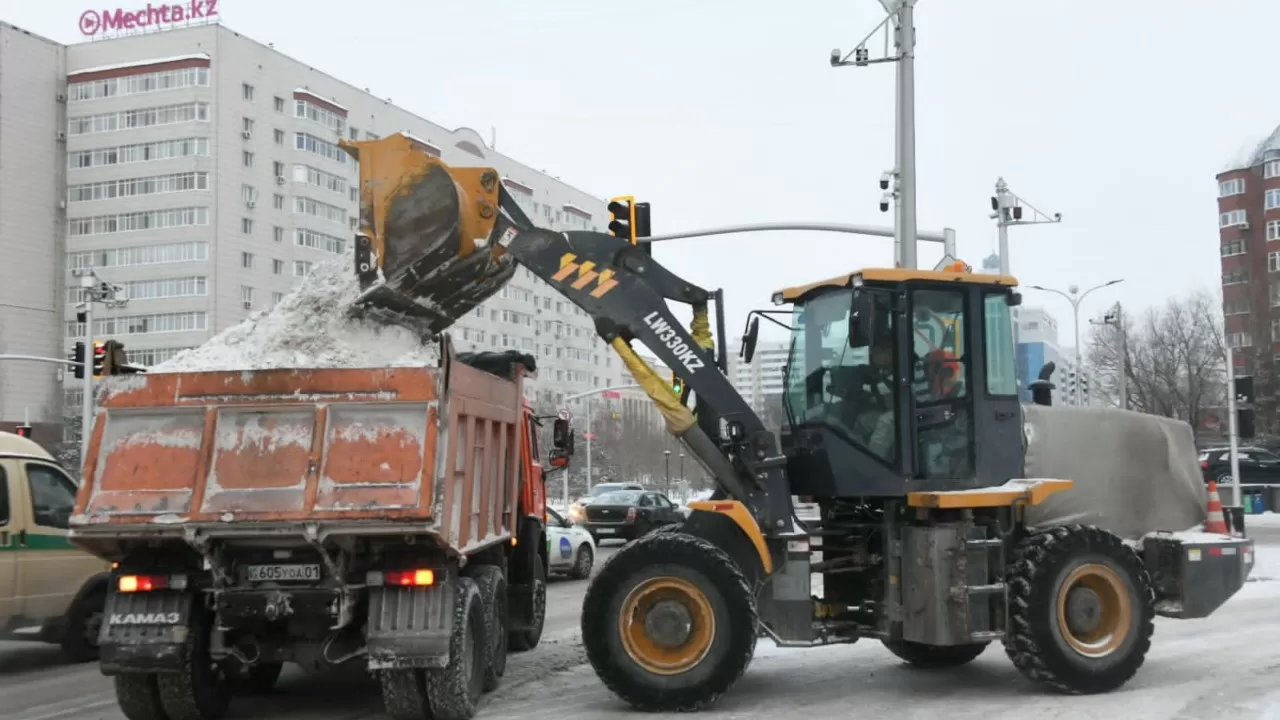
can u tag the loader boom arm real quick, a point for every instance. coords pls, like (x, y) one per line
(470, 234)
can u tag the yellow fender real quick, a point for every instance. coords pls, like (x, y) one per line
(738, 513)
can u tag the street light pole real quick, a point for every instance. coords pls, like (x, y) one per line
(588, 436)
(1075, 297)
(667, 455)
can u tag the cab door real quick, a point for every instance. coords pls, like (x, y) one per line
(8, 550)
(51, 569)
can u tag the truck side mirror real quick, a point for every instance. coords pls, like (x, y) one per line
(562, 436)
(748, 349)
(557, 459)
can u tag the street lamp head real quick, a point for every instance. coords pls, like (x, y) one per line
(1073, 289)
(666, 452)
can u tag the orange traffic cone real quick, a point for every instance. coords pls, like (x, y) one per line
(1215, 522)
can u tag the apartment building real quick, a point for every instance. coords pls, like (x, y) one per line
(32, 74)
(760, 382)
(203, 176)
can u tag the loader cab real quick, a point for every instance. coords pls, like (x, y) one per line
(901, 380)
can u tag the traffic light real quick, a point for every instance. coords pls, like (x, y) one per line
(99, 358)
(622, 218)
(642, 229)
(77, 356)
(24, 431)
(677, 385)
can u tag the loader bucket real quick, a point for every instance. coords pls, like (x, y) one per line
(425, 253)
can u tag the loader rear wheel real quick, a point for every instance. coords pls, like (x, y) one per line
(1081, 610)
(928, 657)
(669, 623)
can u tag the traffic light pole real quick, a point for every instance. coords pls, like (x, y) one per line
(587, 433)
(947, 237)
(86, 402)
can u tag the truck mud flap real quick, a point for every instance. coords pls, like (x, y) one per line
(409, 627)
(1195, 573)
(145, 631)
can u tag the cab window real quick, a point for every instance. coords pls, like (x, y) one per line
(4, 498)
(1002, 378)
(53, 496)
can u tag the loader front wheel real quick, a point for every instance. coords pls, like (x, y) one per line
(669, 623)
(1081, 610)
(929, 657)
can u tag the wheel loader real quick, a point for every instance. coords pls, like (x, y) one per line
(904, 425)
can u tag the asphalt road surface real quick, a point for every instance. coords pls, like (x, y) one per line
(36, 684)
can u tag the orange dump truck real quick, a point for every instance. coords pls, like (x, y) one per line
(393, 517)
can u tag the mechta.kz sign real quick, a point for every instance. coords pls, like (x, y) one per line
(96, 22)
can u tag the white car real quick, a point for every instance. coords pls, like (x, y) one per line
(570, 548)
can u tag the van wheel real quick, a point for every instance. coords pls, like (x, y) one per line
(138, 697)
(454, 691)
(84, 622)
(201, 690)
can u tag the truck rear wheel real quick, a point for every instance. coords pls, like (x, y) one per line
(201, 690)
(493, 592)
(528, 639)
(138, 697)
(669, 623)
(1081, 610)
(928, 657)
(454, 691)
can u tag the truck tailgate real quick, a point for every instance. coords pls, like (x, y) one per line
(230, 452)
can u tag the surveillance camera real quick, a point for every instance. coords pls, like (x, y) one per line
(884, 181)
(884, 203)
(835, 57)
(1057, 216)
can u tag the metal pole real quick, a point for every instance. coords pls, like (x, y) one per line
(1237, 499)
(667, 454)
(1123, 384)
(1075, 310)
(944, 236)
(907, 128)
(86, 403)
(587, 401)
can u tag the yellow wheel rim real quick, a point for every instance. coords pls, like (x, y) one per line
(1095, 612)
(666, 625)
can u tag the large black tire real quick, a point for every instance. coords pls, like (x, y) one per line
(1081, 610)
(928, 657)
(493, 593)
(404, 695)
(528, 639)
(692, 672)
(138, 697)
(583, 564)
(202, 689)
(84, 621)
(453, 692)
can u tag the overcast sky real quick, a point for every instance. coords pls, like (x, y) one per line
(1117, 115)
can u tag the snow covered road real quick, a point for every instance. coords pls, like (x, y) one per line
(1222, 667)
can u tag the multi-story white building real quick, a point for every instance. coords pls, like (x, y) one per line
(200, 170)
(760, 382)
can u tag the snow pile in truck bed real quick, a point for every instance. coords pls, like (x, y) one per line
(309, 328)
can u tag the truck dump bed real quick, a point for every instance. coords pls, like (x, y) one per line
(341, 451)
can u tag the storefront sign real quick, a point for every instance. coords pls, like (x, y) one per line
(98, 22)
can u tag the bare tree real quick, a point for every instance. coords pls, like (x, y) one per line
(1175, 364)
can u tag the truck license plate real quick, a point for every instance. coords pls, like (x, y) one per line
(274, 573)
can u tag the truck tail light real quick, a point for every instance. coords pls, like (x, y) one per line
(631, 514)
(405, 578)
(142, 583)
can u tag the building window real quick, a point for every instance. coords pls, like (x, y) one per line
(154, 289)
(1271, 169)
(136, 221)
(277, 267)
(246, 260)
(277, 168)
(1233, 247)
(246, 295)
(246, 126)
(1234, 186)
(1235, 277)
(1233, 218)
(276, 297)
(138, 84)
(318, 241)
(1273, 230)
(323, 148)
(353, 133)
(1239, 340)
(143, 324)
(247, 158)
(1275, 297)
(132, 256)
(133, 187)
(140, 152)
(277, 234)
(279, 136)
(301, 268)
(1241, 307)
(134, 119)
(246, 90)
(1272, 199)
(1273, 262)
(324, 211)
(279, 104)
(246, 226)
(320, 179)
(309, 111)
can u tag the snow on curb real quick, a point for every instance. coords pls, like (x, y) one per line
(309, 328)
